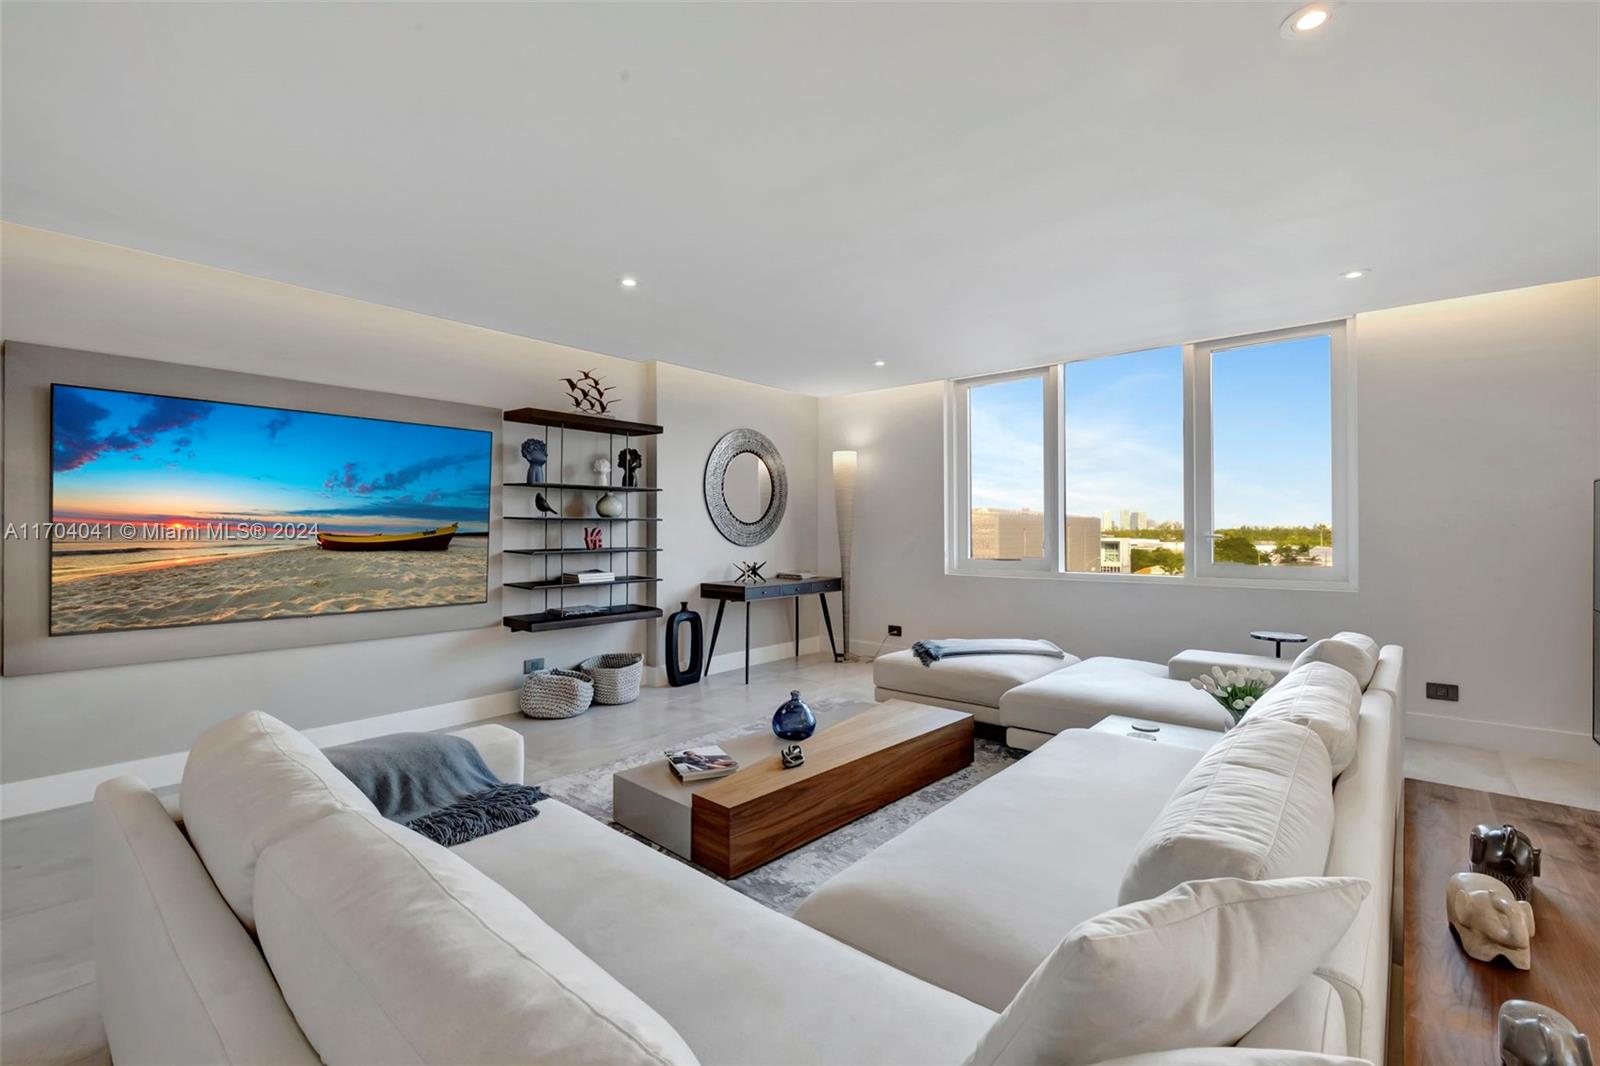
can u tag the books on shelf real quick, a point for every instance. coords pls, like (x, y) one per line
(701, 764)
(588, 577)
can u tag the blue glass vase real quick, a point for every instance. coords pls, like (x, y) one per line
(794, 720)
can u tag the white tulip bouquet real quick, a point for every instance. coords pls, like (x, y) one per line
(1236, 690)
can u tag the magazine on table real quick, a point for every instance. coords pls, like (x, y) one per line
(700, 764)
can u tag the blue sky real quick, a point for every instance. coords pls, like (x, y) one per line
(122, 455)
(1272, 427)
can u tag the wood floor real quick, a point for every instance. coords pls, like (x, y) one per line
(48, 1010)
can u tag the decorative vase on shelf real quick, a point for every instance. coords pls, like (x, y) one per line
(794, 720)
(608, 506)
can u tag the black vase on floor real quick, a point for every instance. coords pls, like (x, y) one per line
(678, 674)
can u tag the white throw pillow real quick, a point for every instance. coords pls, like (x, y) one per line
(1323, 698)
(1355, 652)
(1197, 967)
(248, 782)
(390, 949)
(1258, 805)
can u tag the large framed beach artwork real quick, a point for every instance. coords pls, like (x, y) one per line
(177, 511)
(157, 511)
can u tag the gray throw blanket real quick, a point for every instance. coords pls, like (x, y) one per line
(929, 652)
(435, 784)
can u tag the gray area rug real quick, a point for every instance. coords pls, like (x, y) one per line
(783, 883)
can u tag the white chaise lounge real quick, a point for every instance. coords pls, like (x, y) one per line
(1034, 698)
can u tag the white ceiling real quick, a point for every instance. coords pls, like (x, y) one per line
(802, 190)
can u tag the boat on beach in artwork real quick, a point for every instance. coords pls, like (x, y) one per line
(422, 540)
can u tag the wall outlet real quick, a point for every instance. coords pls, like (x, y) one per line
(894, 631)
(1439, 690)
(530, 665)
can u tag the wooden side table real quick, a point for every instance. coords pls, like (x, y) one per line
(1452, 1002)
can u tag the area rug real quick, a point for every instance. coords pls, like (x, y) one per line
(783, 883)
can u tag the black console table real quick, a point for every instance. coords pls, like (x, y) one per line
(726, 592)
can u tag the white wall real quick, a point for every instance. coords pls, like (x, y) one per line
(1479, 440)
(72, 293)
(699, 408)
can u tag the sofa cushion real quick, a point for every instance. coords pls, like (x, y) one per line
(740, 982)
(1354, 652)
(390, 949)
(1310, 1019)
(1147, 977)
(1079, 697)
(973, 896)
(1258, 805)
(1191, 663)
(160, 924)
(974, 679)
(1322, 697)
(248, 782)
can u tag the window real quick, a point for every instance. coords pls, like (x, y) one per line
(1224, 461)
(1003, 518)
(1270, 430)
(1122, 484)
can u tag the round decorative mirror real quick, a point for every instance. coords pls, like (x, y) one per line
(746, 488)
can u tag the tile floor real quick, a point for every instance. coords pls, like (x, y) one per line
(48, 1009)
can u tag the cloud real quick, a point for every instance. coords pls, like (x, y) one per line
(74, 418)
(345, 477)
(73, 438)
(350, 478)
(278, 423)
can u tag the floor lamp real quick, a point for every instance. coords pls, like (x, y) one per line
(844, 506)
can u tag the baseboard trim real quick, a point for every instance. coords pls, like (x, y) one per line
(724, 661)
(77, 786)
(1559, 744)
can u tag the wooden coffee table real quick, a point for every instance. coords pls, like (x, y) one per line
(853, 767)
(1452, 1002)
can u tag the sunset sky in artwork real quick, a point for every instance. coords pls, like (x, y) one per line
(127, 456)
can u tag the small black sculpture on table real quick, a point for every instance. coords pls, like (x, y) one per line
(792, 756)
(750, 573)
(629, 461)
(1505, 854)
(533, 450)
(1532, 1034)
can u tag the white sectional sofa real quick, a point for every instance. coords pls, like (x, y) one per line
(1034, 698)
(278, 919)
(975, 896)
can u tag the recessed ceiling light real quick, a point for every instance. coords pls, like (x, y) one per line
(1307, 20)
(630, 282)
(1359, 272)
(878, 362)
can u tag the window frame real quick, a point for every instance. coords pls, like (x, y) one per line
(958, 537)
(1197, 464)
(1202, 509)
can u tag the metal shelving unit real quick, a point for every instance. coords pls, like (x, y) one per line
(556, 425)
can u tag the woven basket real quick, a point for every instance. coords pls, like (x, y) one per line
(555, 694)
(616, 677)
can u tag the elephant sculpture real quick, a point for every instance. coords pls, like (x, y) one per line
(1489, 920)
(1505, 853)
(1532, 1034)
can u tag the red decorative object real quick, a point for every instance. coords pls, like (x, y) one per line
(592, 538)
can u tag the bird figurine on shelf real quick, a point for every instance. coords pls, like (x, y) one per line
(544, 505)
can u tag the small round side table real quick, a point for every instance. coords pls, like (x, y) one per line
(1279, 638)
